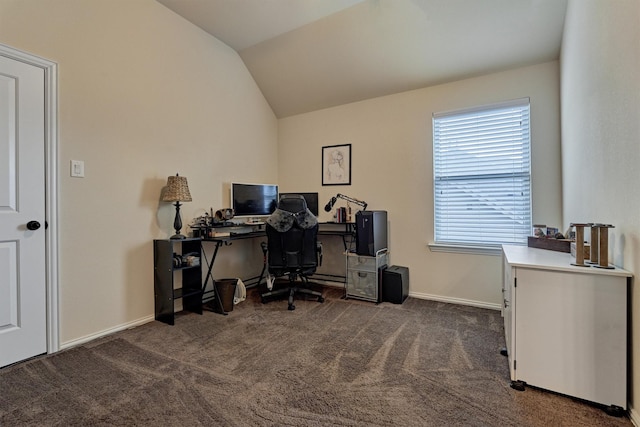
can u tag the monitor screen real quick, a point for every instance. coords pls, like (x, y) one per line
(311, 199)
(253, 199)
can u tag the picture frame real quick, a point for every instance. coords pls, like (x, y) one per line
(336, 164)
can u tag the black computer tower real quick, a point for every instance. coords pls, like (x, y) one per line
(371, 232)
(395, 284)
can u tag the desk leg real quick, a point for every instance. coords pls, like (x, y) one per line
(350, 232)
(218, 308)
(344, 241)
(263, 245)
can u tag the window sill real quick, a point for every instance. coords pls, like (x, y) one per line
(465, 249)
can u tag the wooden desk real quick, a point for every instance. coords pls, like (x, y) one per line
(566, 326)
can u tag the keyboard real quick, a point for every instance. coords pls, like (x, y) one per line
(238, 230)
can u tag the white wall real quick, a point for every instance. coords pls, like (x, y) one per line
(143, 94)
(392, 170)
(601, 133)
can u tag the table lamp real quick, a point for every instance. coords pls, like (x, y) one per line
(177, 191)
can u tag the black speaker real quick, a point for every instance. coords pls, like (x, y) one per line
(395, 284)
(371, 232)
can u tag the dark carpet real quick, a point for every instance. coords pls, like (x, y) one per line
(340, 363)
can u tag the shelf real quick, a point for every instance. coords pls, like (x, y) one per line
(172, 283)
(180, 293)
(185, 267)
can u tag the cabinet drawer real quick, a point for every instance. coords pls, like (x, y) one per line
(366, 263)
(362, 284)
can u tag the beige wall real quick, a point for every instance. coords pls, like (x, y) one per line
(392, 170)
(601, 133)
(143, 94)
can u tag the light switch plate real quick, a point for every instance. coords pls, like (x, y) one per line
(77, 168)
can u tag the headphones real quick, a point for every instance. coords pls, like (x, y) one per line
(177, 260)
(224, 214)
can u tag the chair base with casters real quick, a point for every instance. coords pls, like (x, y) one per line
(292, 290)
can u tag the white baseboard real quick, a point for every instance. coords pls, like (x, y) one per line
(452, 300)
(142, 321)
(634, 417)
(419, 295)
(105, 332)
(330, 283)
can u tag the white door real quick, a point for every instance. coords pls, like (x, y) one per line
(23, 316)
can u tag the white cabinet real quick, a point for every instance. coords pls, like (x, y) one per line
(565, 326)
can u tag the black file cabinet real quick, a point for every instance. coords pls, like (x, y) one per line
(177, 277)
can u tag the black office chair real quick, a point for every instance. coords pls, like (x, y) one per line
(292, 248)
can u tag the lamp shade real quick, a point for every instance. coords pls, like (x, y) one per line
(177, 190)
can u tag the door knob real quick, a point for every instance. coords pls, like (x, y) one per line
(33, 225)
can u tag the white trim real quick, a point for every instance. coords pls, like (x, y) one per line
(431, 297)
(459, 301)
(330, 283)
(634, 416)
(519, 102)
(105, 332)
(51, 187)
(465, 249)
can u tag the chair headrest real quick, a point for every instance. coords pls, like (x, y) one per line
(292, 208)
(293, 203)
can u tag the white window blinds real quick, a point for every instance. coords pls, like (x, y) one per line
(482, 168)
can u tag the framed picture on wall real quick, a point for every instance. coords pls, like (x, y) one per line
(336, 164)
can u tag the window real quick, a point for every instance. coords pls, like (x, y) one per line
(482, 175)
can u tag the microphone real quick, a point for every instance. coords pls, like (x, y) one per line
(329, 205)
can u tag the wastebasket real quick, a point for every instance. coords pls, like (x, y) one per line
(226, 289)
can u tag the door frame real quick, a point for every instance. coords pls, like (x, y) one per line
(51, 187)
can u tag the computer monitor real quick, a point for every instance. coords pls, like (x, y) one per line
(311, 199)
(253, 200)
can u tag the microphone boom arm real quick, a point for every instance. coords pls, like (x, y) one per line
(352, 200)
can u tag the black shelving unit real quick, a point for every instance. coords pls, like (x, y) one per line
(170, 273)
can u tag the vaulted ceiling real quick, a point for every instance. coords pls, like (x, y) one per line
(307, 55)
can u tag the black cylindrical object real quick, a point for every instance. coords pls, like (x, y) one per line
(226, 289)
